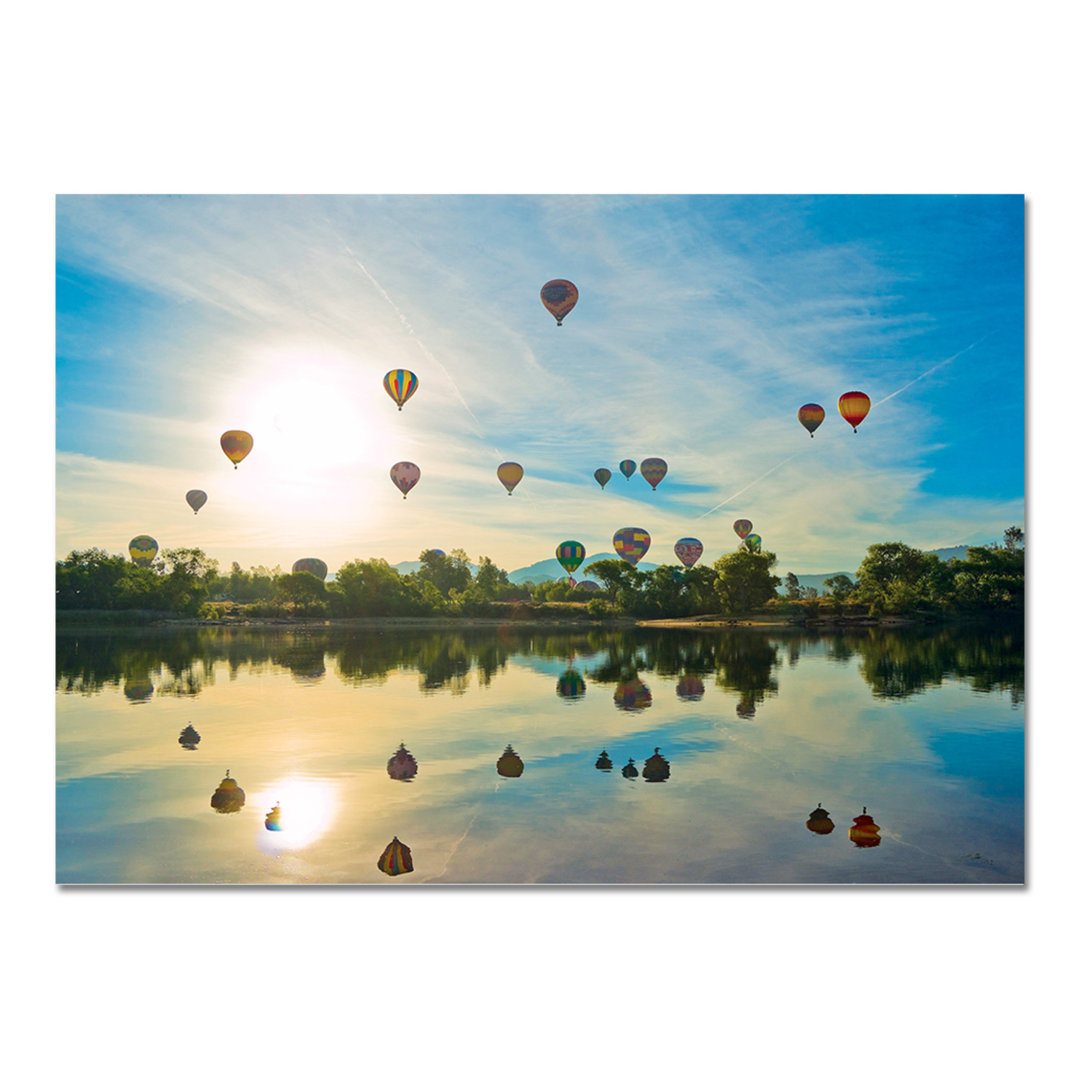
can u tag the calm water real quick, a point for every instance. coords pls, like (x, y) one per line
(747, 733)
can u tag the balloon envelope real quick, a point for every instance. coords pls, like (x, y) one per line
(400, 384)
(602, 476)
(405, 476)
(810, 416)
(571, 554)
(559, 296)
(754, 541)
(743, 528)
(510, 472)
(196, 499)
(310, 566)
(631, 544)
(627, 467)
(396, 859)
(237, 445)
(654, 469)
(688, 550)
(402, 766)
(142, 549)
(853, 406)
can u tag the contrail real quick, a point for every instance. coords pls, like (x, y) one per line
(750, 485)
(428, 355)
(930, 371)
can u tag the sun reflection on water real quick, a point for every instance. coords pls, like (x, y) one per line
(300, 810)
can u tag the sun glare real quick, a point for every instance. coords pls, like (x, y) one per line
(298, 811)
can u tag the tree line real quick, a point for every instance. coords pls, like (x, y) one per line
(893, 579)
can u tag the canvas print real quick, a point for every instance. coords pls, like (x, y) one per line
(406, 541)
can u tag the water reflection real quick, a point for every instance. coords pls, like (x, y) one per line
(229, 796)
(656, 769)
(402, 766)
(509, 764)
(603, 762)
(819, 822)
(864, 833)
(396, 859)
(189, 738)
(570, 685)
(629, 770)
(632, 695)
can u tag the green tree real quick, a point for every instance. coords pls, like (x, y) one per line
(303, 590)
(191, 575)
(841, 586)
(445, 572)
(791, 584)
(895, 578)
(744, 581)
(1014, 537)
(622, 582)
(490, 579)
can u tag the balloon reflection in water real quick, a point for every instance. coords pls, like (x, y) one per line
(632, 695)
(746, 709)
(864, 833)
(603, 762)
(690, 688)
(509, 764)
(819, 822)
(310, 807)
(570, 685)
(189, 738)
(402, 766)
(656, 769)
(273, 819)
(629, 771)
(229, 797)
(396, 859)
(138, 689)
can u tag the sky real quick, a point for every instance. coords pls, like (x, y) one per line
(703, 324)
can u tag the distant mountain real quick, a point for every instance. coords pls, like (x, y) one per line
(817, 581)
(550, 570)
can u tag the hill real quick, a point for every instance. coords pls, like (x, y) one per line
(550, 570)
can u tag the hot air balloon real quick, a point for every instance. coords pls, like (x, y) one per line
(654, 469)
(588, 586)
(400, 385)
(690, 688)
(631, 544)
(402, 766)
(656, 769)
(396, 859)
(273, 819)
(510, 473)
(189, 738)
(405, 476)
(509, 764)
(559, 296)
(310, 566)
(571, 554)
(142, 550)
(810, 416)
(864, 833)
(743, 528)
(688, 550)
(627, 467)
(629, 771)
(819, 822)
(754, 541)
(603, 762)
(229, 797)
(196, 499)
(237, 445)
(853, 406)
(632, 695)
(602, 477)
(570, 685)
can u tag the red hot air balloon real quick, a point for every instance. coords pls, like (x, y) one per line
(237, 445)
(863, 832)
(743, 528)
(654, 469)
(810, 416)
(631, 544)
(559, 296)
(853, 406)
(405, 476)
(510, 474)
(688, 550)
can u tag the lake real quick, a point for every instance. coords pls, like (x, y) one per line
(332, 755)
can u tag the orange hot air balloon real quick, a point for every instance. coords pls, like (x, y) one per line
(237, 445)
(853, 406)
(559, 296)
(864, 833)
(510, 473)
(810, 416)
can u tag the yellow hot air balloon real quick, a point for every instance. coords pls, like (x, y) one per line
(237, 445)
(510, 474)
(853, 406)
(559, 296)
(142, 550)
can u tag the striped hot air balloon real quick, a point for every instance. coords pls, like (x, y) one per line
(654, 469)
(396, 859)
(810, 416)
(627, 467)
(602, 476)
(853, 406)
(400, 384)
(571, 554)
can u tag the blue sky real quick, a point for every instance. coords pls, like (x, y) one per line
(704, 322)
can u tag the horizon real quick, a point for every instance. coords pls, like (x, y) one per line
(703, 324)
